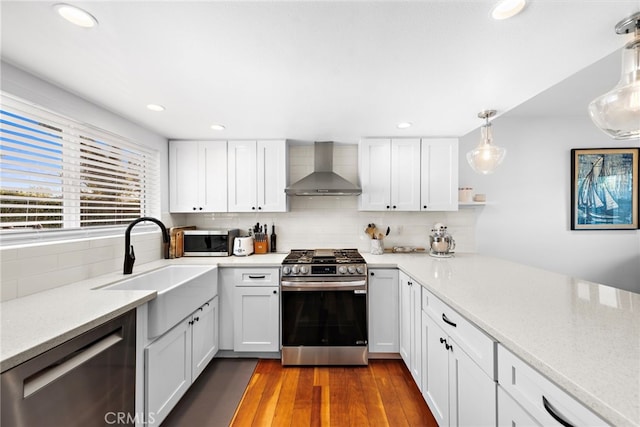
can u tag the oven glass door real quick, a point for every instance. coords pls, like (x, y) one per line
(324, 318)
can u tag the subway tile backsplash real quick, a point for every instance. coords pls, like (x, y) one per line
(312, 222)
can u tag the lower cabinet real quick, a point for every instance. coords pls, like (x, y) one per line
(410, 320)
(457, 391)
(250, 314)
(383, 311)
(526, 395)
(175, 360)
(256, 318)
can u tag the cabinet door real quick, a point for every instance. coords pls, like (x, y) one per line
(242, 165)
(226, 287)
(256, 318)
(511, 414)
(416, 333)
(472, 394)
(212, 182)
(439, 175)
(374, 157)
(205, 336)
(183, 176)
(405, 175)
(405, 319)
(435, 370)
(272, 175)
(168, 370)
(383, 311)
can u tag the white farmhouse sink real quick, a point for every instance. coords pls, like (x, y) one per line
(181, 290)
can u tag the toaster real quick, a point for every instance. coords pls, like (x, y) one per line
(243, 246)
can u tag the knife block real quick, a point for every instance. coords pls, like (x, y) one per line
(260, 247)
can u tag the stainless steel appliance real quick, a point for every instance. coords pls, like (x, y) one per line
(324, 307)
(87, 381)
(440, 241)
(209, 242)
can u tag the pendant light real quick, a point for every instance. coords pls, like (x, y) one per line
(617, 112)
(486, 157)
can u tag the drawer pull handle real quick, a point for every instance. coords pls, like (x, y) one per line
(447, 321)
(257, 277)
(554, 413)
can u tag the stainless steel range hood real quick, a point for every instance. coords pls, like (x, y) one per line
(323, 181)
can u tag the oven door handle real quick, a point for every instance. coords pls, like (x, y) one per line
(352, 285)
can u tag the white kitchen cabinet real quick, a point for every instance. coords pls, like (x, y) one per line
(410, 321)
(439, 174)
(257, 176)
(205, 336)
(175, 360)
(544, 402)
(383, 311)
(457, 389)
(256, 309)
(197, 176)
(226, 287)
(511, 414)
(389, 174)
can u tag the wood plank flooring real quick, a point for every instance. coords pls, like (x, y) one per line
(381, 394)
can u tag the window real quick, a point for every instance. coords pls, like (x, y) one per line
(59, 174)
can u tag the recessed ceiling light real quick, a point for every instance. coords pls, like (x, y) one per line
(155, 107)
(217, 127)
(505, 9)
(404, 125)
(76, 16)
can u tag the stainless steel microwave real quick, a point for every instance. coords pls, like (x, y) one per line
(209, 242)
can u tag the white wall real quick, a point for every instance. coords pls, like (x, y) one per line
(528, 216)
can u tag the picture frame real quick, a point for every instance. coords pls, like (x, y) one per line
(604, 188)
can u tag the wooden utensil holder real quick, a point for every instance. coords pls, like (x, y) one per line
(260, 247)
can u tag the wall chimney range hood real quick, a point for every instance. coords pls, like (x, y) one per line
(323, 181)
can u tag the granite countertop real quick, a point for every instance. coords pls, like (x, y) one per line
(583, 336)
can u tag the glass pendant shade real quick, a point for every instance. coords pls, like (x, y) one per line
(617, 112)
(486, 157)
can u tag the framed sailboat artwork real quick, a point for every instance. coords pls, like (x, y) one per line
(604, 188)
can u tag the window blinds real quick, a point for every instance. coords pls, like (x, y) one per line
(56, 173)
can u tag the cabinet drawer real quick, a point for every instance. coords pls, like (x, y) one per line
(545, 401)
(256, 277)
(477, 344)
(511, 414)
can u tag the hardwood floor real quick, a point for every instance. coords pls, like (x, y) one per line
(381, 394)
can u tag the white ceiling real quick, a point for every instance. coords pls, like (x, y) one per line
(312, 70)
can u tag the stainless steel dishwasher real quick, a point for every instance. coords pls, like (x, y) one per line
(86, 381)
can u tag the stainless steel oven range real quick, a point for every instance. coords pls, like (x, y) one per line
(324, 307)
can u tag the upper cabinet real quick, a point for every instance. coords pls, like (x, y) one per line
(257, 173)
(409, 174)
(198, 176)
(390, 174)
(439, 177)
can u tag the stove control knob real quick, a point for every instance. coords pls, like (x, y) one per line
(286, 270)
(360, 269)
(304, 269)
(295, 269)
(352, 269)
(342, 269)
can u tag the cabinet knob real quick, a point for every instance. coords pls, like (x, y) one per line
(253, 208)
(191, 322)
(259, 208)
(388, 206)
(372, 273)
(200, 208)
(442, 340)
(275, 292)
(424, 207)
(194, 208)
(394, 206)
(195, 319)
